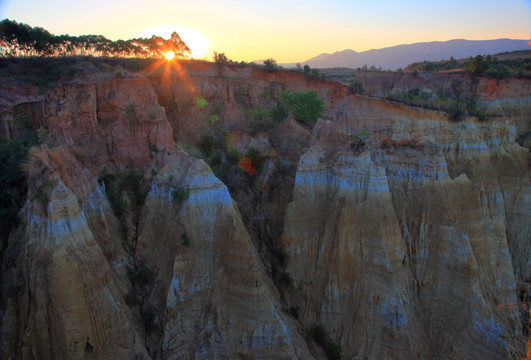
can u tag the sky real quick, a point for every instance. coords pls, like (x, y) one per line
(288, 31)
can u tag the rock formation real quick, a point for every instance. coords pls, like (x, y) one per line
(383, 232)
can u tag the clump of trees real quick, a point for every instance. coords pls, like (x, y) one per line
(495, 67)
(305, 106)
(270, 65)
(450, 101)
(21, 40)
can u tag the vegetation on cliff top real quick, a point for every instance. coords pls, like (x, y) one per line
(498, 66)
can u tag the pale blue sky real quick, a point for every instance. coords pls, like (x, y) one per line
(285, 30)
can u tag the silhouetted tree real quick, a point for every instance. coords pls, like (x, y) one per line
(270, 65)
(476, 66)
(221, 61)
(23, 40)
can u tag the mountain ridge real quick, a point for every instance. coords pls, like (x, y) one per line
(399, 56)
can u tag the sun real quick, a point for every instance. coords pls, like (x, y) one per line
(197, 42)
(169, 55)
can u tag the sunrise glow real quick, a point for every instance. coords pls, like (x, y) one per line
(196, 41)
(169, 55)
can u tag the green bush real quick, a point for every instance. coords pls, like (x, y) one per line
(118, 183)
(186, 241)
(13, 186)
(124, 230)
(476, 66)
(179, 195)
(207, 145)
(305, 106)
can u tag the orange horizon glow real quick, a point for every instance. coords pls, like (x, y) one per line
(253, 30)
(194, 39)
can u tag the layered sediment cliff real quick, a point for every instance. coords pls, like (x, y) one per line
(385, 231)
(406, 240)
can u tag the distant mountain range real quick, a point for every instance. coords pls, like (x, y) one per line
(400, 56)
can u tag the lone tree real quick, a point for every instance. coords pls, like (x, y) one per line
(476, 66)
(270, 65)
(221, 61)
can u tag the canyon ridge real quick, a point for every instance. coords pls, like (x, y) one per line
(165, 213)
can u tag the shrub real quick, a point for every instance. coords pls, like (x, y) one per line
(179, 195)
(42, 193)
(355, 87)
(119, 183)
(154, 148)
(365, 135)
(305, 106)
(186, 241)
(124, 230)
(358, 144)
(207, 145)
(270, 65)
(13, 188)
(221, 61)
(43, 136)
(130, 114)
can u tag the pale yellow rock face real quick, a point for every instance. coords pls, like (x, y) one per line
(211, 293)
(67, 299)
(345, 251)
(406, 252)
